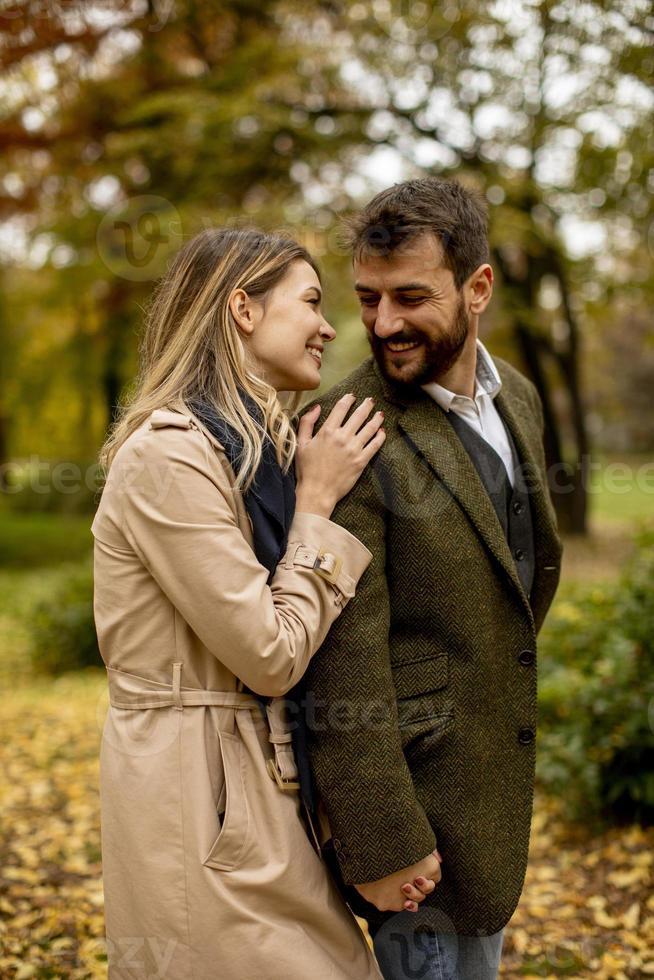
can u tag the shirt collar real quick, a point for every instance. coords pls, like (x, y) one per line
(488, 381)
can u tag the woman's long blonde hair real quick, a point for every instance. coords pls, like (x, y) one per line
(191, 347)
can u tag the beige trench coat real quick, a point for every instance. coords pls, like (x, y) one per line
(208, 871)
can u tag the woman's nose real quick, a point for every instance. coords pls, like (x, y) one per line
(327, 332)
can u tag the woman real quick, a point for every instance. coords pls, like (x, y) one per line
(217, 580)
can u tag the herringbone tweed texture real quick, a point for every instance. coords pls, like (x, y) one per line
(418, 701)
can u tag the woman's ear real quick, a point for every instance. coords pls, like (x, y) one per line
(245, 311)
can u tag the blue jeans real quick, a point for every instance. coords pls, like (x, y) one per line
(404, 954)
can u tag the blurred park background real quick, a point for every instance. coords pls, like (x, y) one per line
(126, 127)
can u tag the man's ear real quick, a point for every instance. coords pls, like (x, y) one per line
(245, 311)
(480, 288)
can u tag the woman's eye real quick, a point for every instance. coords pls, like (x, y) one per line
(314, 302)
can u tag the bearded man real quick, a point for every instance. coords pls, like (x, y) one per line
(422, 725)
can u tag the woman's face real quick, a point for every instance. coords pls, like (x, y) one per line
(287, 332)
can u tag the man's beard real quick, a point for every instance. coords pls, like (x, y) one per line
(437, 354)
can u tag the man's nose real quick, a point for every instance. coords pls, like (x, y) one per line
(388, 321)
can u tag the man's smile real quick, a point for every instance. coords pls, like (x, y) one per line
(398, 347)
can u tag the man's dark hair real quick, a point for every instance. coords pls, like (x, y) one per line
(454, 213)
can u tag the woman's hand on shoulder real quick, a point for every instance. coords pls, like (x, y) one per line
(329, 463)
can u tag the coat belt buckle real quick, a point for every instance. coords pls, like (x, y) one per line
(287, 785)
(329, 576)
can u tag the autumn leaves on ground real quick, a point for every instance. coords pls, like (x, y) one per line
(587, 909)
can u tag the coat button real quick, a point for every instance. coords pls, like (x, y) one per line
(518, 507)
(526, 657)
(519, 554)
(337, 844)
(526, 735)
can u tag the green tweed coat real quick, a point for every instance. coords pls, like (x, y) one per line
(422, 698)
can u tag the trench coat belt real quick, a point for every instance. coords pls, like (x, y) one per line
(133, 691)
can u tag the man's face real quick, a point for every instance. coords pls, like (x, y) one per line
(416, 319)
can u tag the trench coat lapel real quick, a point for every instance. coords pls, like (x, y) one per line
(244, 521)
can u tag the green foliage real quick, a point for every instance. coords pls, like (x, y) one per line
(40, 540)
(62, 627)
(283, 114)
(597, 695)
(53, 487)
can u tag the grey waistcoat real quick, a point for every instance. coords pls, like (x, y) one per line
(511, 503)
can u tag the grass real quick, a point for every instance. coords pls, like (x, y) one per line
(621, 490)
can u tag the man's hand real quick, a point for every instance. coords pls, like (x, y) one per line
(404, 889)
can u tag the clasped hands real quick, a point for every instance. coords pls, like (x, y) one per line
(406, 888)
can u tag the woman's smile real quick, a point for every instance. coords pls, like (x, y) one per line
(315, 352)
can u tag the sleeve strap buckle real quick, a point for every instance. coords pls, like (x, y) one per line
(328, 566)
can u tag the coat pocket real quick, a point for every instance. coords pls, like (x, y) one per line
(414, 678)
(422, 735)
(229, 846)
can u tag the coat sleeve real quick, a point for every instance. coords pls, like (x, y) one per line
(172, 498)
(377, 822)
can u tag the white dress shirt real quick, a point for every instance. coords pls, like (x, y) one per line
(479, 412)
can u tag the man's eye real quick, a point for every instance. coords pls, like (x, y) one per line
(412, 300)
(367, 300)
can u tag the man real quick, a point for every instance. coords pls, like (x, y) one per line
(423, 697)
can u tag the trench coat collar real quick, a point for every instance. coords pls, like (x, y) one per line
(270, 500)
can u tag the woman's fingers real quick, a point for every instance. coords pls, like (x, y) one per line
(307, 422)
(412, 893)
(370, 428)
(329, 463)
(373, 446)
(417, 892)
(335, 418)
(358, 416)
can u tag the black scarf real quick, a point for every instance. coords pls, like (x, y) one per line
(270, 503)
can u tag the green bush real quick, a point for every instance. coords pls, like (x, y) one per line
(597, 696)
(62, 628)
(42, 540)
(44, 486)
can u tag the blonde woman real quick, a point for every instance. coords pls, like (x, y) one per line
(216, 580)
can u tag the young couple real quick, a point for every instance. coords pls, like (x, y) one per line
(320, 642)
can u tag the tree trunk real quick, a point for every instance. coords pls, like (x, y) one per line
(4, 459)
(568, 477)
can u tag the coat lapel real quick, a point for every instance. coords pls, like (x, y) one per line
(243, 518)
(517, 416)
(425, 426)
(427, 429)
